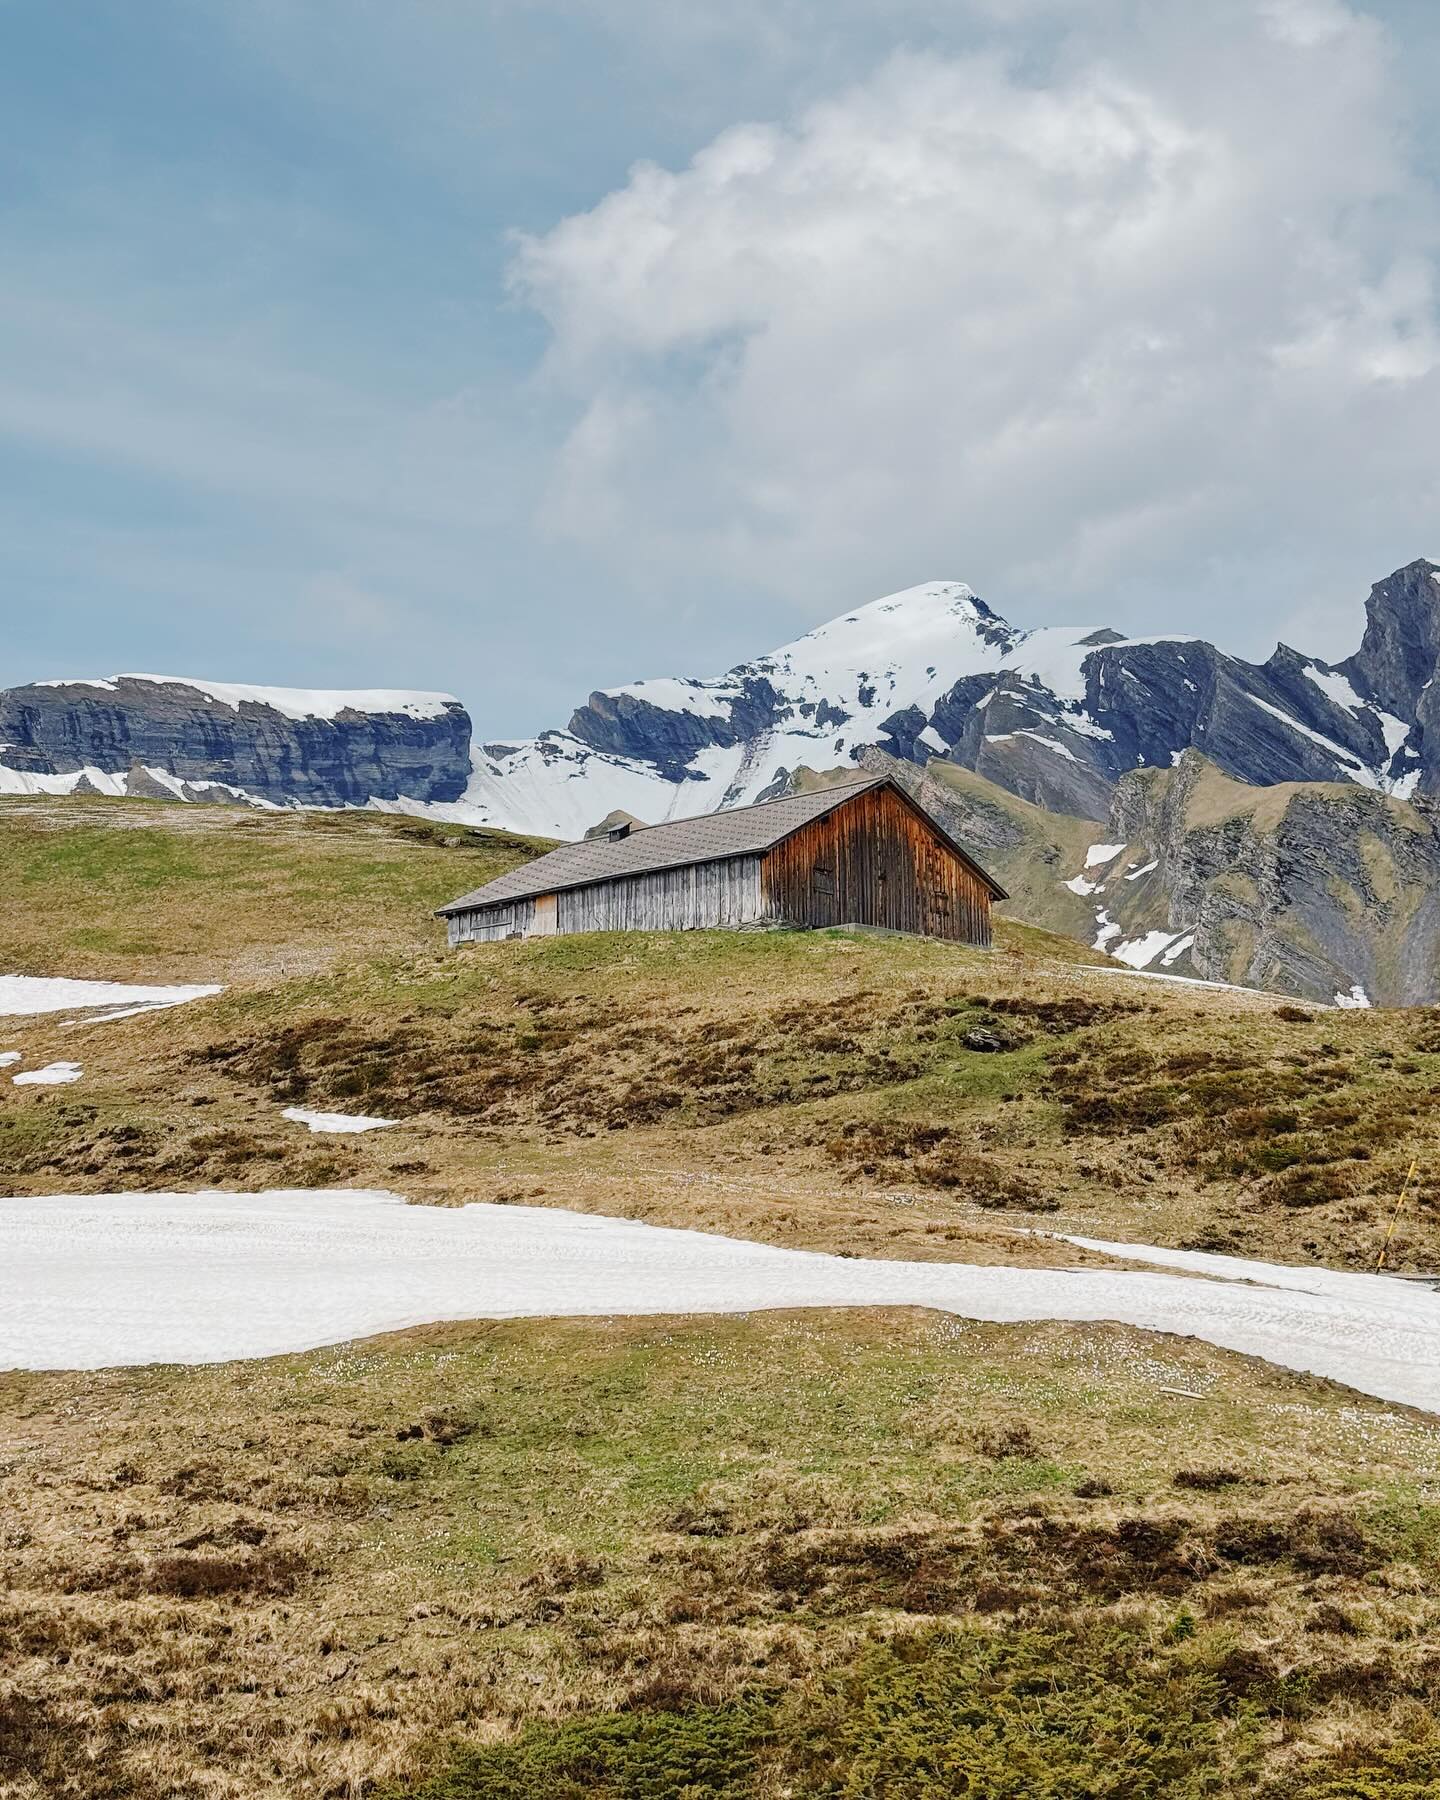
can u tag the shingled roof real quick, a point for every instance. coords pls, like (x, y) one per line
(712, 837)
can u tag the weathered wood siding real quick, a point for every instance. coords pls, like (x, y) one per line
(515, 919)
(721, 893)
(711, 893)
(875, 861)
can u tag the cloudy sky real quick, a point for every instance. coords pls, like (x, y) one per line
(515, 348)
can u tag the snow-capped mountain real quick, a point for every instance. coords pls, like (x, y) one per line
(1055, 715)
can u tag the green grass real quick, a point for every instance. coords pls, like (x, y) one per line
(147, 884)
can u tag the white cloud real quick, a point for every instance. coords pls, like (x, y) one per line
(1172, 303)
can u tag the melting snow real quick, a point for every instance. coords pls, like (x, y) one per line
(88, 1281)
(28, 995)
(1145, 869)
(1356, 997)
(1101, 853)
(1140, 952)
(329, 1121)
(56, 1074)
(7, 1057)
(1177, 949)
(1077, 884)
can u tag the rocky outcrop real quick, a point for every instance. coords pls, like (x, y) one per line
(152, 735)
(1320, 890)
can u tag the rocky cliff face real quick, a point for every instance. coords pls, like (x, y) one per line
(278, 746)
(1319, 890)
(1056, 716)
(1323, 890)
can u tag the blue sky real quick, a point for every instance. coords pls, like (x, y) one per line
(514, 349)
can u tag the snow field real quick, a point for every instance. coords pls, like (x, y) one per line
(89, 1281)
(27, 996)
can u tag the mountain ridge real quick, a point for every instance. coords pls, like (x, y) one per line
(1056, 715)
(1190, 813)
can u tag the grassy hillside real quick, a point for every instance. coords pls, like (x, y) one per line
(798, 1554)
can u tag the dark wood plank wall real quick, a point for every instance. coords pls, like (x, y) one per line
(874, 861)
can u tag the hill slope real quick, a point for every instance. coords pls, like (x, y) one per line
(734, 1556)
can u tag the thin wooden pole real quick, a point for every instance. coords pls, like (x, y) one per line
(1395, 1218)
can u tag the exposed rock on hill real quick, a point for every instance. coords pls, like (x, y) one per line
(154, 735)
(1326, 891)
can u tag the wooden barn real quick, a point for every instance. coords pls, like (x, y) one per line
(864, 853)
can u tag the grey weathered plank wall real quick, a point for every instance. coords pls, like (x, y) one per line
(725, 893)
(712, 893)
(491, 922)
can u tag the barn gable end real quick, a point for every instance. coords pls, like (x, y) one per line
(878, 860)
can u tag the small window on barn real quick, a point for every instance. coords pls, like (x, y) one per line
(822, 879)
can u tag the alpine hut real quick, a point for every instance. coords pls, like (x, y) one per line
(863, 853)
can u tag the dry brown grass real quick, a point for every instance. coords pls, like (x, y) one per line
(290, 1577)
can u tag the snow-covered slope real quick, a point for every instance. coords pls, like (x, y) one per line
(898, 674)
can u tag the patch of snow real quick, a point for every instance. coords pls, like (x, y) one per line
(1101, 853)
(1050, 744)
(7, 1057)
(1106, 929)
(1403, 786)
(1356, 997)
(1336, 689)
(1144, 869)
(932, 740)
(21, 782)
(1054, 657)
(1195, 981)
(1140, 952)
(1178, 949)
(310, 703)
(56, 1074)
(88, 1281)
(26, 996)
(1393, 730)
(332, 1121)
(1359, 772)
(672, 694)
(1077, 884)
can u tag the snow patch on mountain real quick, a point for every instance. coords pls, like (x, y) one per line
(294, 703)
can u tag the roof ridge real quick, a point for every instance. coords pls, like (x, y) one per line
(719, 812)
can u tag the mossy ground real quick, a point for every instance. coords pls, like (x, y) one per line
(790, 1549)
